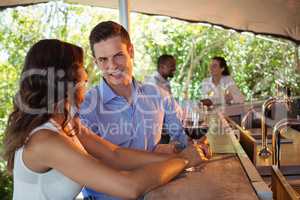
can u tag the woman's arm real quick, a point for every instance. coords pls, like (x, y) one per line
(124, 158)
(58, 152)
(208, 94)
(234, 91)
(238, 97)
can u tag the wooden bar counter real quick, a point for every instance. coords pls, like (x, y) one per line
(228, 175)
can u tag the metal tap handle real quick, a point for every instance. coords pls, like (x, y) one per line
(276, 138)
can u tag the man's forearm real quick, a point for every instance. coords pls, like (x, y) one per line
(136, 158)
(118, 157)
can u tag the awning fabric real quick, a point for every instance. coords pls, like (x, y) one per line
(275, 17)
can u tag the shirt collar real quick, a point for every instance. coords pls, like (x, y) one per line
(108, 94)
(210, 80)
(135, 89)
(220, 83)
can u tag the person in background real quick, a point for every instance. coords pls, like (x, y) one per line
(52, 155)
(122, 110)
(220, 87)
(166, 68)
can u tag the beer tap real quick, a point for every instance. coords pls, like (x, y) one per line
(276, 138)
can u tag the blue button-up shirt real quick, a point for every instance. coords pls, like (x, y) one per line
(137, 125)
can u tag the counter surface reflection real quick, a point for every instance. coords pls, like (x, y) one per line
(228, 175)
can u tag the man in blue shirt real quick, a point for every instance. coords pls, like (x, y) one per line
(122, 110)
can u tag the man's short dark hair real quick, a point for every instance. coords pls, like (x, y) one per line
(106, 30)
(163, 59)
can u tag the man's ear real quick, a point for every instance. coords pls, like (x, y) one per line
(130, 50)
(95, 61)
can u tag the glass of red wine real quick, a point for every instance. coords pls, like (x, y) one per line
(194, 121)
(196, 131)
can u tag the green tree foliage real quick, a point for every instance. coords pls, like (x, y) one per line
(6, 183)
(255, 62)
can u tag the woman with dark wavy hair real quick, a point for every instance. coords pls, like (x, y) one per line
(220, 88)
(52, 155)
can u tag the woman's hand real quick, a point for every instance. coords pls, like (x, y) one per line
(228, 97)
(204, 145)
(73, 126)
(205, 102)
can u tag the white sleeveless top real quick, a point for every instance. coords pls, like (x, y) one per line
(41, 186)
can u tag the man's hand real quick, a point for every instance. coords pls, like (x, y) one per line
(194, 154)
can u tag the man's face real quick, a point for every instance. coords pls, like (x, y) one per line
(114, 58)
(168, 69)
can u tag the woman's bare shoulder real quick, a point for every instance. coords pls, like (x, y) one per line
(42, 137)
(40, 147)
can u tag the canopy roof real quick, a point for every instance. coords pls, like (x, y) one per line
(275, 17)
